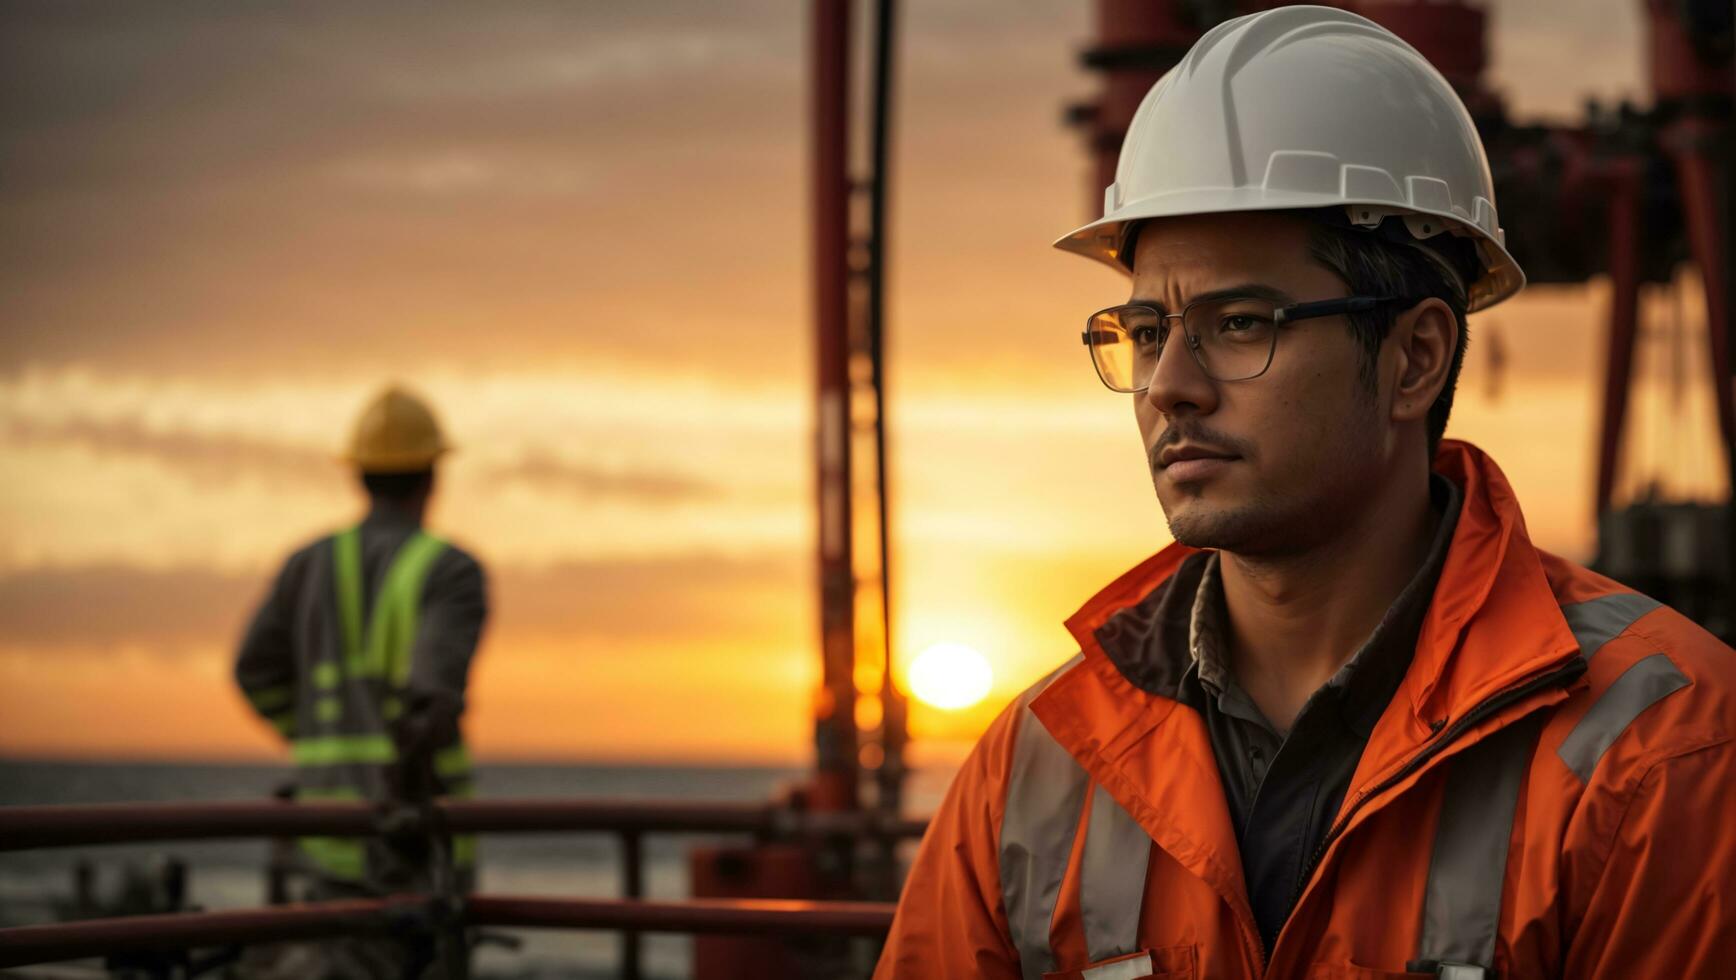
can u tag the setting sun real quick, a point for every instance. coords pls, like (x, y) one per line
(950, 676)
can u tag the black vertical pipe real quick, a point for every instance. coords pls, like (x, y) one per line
(891, 773)
(1626, 245)
(632, 887)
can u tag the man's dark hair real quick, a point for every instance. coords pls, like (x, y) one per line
(1385, 261)
(398, 487)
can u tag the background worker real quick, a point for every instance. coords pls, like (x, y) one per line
(1353, 723)
(360, 654)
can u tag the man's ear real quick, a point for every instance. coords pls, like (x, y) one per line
(1425, 337)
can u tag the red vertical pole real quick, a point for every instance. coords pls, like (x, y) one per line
(1702, 152)
(1452, 34)
(1136, 42)
(1624, 298)
(835, 778)
(1694, 78)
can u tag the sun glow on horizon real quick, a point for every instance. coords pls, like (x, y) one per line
(950, 676)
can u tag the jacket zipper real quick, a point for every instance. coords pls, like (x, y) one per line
(1559, 677)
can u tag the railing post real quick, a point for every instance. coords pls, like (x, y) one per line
(632, 888)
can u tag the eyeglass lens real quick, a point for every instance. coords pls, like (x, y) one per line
(1230, 339)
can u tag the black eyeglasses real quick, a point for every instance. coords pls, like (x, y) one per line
(1232, 338)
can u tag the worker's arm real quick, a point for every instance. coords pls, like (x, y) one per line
(950, 923)
(1659, 901)
(265, 665)
(454, 609)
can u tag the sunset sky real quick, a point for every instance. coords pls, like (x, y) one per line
(580, 230)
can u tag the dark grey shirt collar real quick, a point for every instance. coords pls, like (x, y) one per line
(1150, 642)
(1282, 790)
(1366, 682)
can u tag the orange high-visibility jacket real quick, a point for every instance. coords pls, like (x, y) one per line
(1550, 793)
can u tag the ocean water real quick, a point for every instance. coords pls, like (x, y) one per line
(228, 874)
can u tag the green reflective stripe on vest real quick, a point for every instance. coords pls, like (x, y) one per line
(333, 750)
(398, 610)
(269, 699)
(452, 762)
(463, 845)
(381, 647)
(339, 857)
(347, 576)
(464, 851)
(344, 858)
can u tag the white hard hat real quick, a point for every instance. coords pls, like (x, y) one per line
(1306, 107)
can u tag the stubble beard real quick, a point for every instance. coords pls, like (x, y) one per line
(1272, 525)
(1256, 526)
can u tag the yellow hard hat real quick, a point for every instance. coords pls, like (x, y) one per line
(397, 433)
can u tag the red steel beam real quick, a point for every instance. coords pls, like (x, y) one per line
(835, 736)
(25, 827)
(1451, 34)
(24, 945)
(643, 816)
(658, 816)
(761, 916)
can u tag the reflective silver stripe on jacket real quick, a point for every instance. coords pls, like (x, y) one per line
(1597, 621)
(1462, 901)
(1045, 793)
(1045, 798)
(1112, 879)
(1468, 869)
(1638, 688)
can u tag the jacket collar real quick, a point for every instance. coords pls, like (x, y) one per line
(1492, 627)
(1492, 622)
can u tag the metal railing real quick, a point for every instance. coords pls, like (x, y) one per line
(27, 945)
(28, 827)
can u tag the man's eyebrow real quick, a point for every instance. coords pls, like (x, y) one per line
(1248, 290)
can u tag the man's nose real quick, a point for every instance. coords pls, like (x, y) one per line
(1177, 379)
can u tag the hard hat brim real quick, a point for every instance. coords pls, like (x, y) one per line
(395, 462)
(1106, 238)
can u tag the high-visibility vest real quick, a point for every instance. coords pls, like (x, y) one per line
(1047, 808)
(342, 744)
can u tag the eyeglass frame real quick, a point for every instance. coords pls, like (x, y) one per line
(1281, 315)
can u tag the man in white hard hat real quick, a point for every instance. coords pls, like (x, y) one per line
(359, 657)
(1353, 724)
